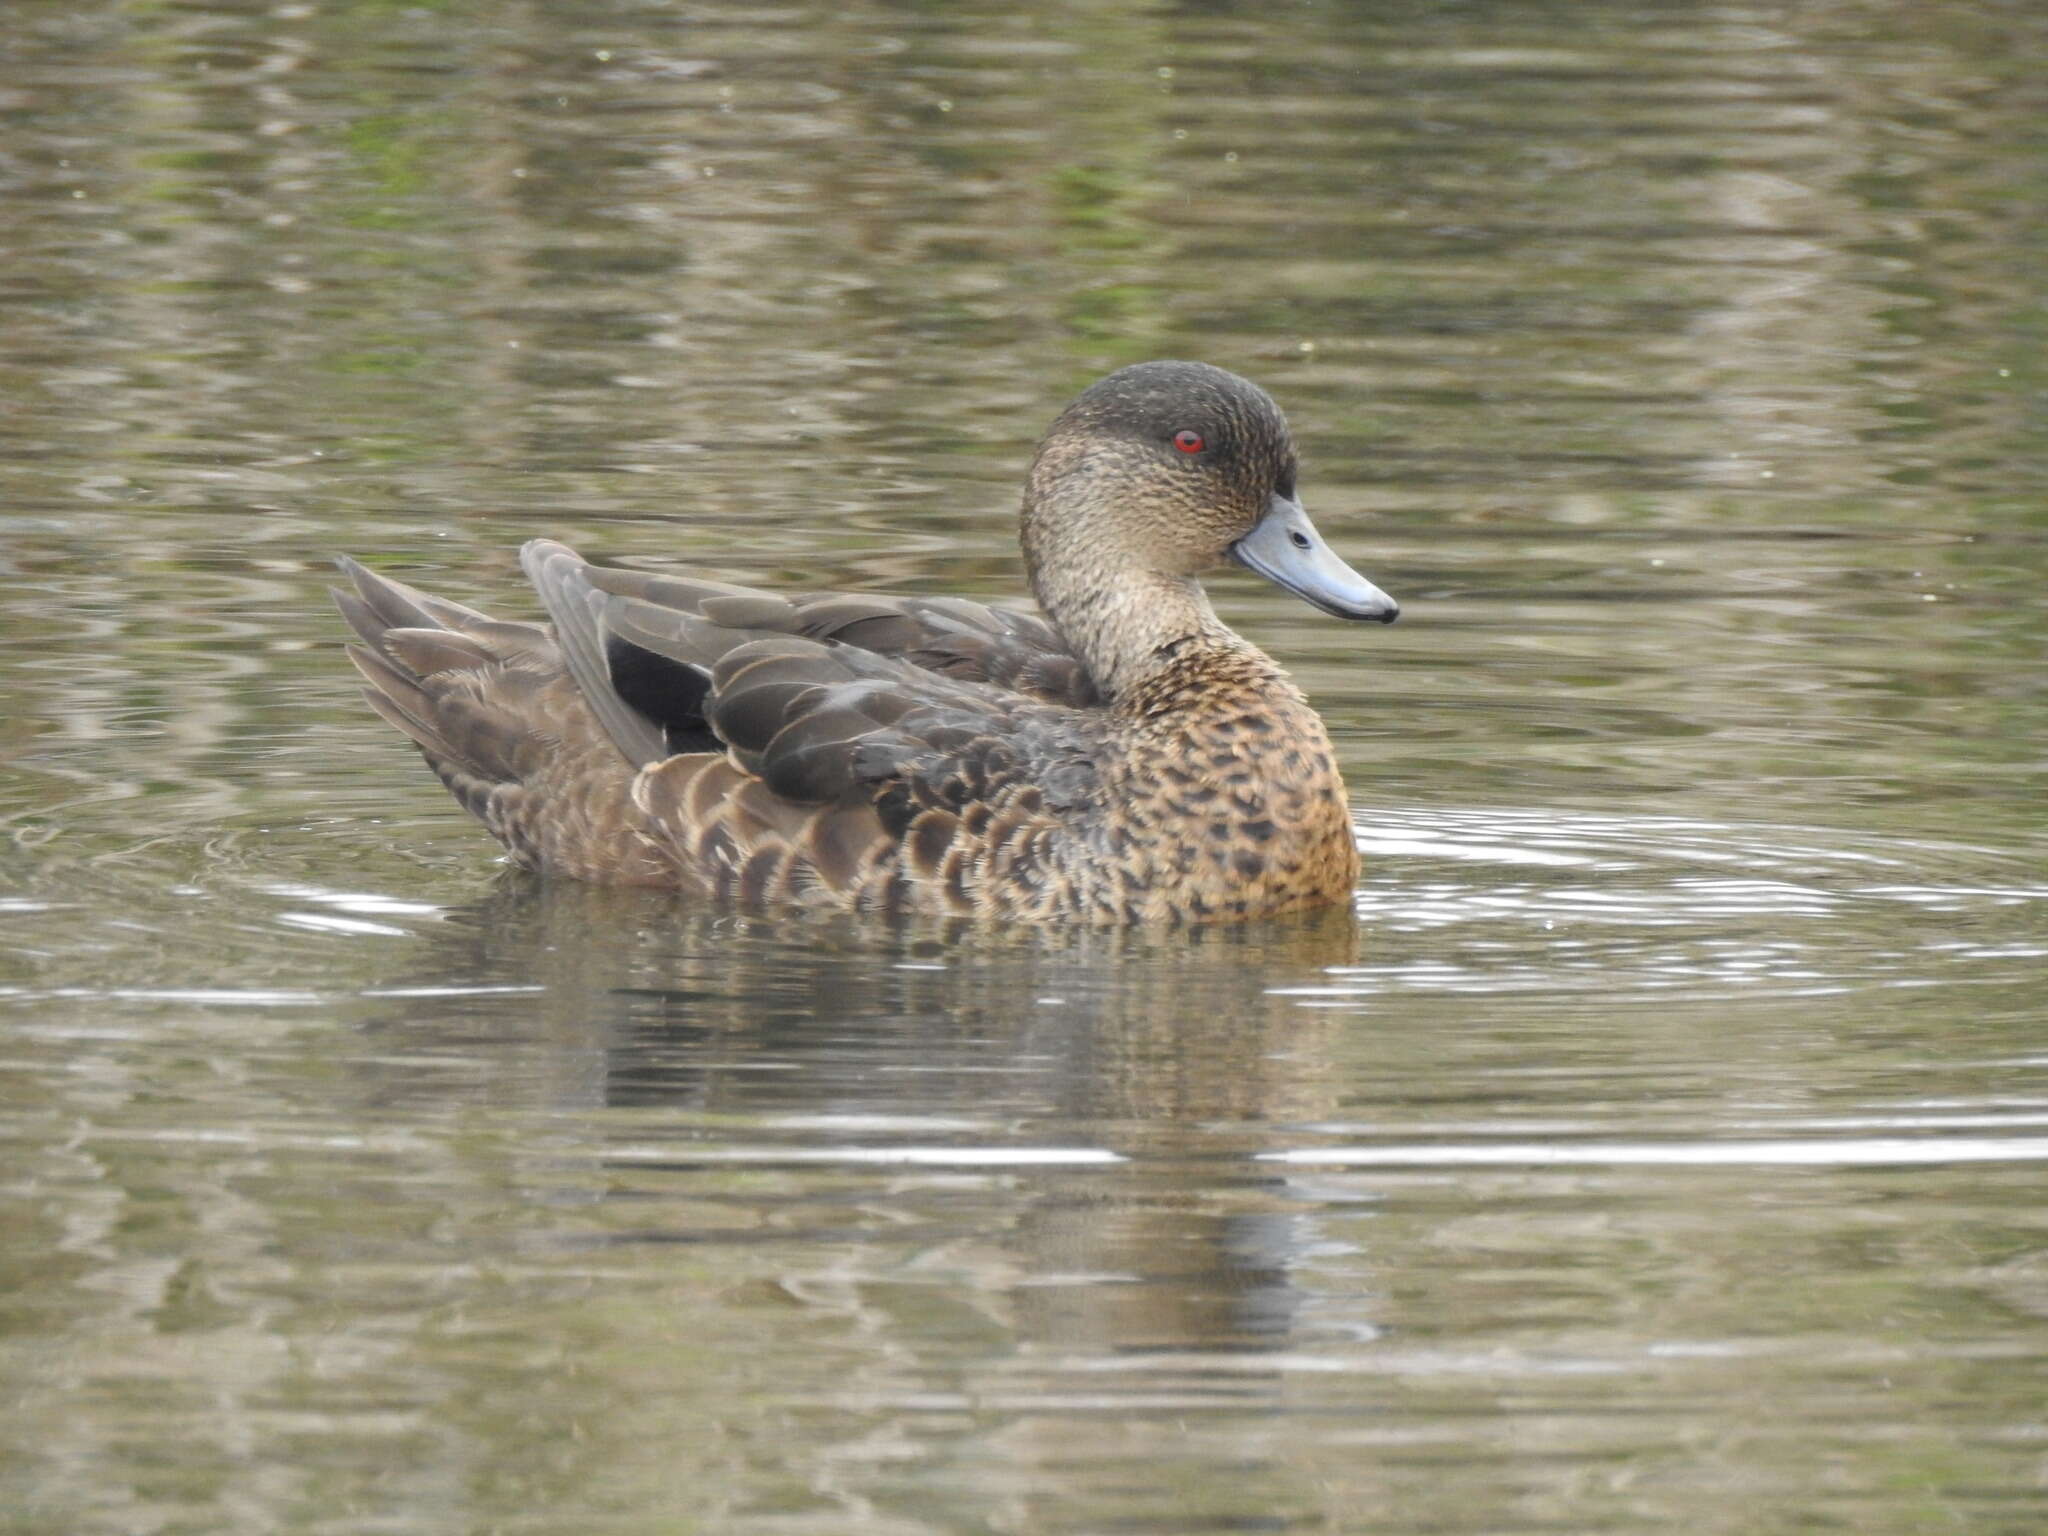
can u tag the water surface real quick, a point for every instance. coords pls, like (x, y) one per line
(1657, 1144)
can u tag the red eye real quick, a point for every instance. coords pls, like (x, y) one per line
(1188, 441)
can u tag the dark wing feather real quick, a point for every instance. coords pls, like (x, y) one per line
(560, 576)
(669, 693)
(948, 635)
(888, 750)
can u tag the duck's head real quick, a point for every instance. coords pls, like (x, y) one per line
(1169, 469)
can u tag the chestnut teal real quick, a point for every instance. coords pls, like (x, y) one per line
(1119, 757)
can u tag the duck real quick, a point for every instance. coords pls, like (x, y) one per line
(1120, 756)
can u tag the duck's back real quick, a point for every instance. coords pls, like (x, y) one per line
(836, 750)
(921, 755)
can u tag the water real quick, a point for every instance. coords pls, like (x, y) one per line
(1657, 1145)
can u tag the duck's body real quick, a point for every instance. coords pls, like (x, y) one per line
(1126, 759)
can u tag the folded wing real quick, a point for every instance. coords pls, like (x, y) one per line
(862, 751)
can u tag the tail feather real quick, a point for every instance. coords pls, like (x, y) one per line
(497, 716)
(399, 698)
(398, 606)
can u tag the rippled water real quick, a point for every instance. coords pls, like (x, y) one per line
(1659, 1142)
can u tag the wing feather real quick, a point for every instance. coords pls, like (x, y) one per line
(840, 747)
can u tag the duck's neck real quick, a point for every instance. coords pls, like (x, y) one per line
(1104, 568)
(1129, 625)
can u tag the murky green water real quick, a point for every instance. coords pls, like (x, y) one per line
(1660, 1145)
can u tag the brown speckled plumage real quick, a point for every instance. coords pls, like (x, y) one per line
(1126, 759)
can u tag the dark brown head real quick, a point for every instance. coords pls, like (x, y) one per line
(1168, 469)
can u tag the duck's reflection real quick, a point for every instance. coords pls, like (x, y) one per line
(1176, 1052)
(911, 1182)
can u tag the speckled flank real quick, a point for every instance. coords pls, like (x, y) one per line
(1126, 759)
